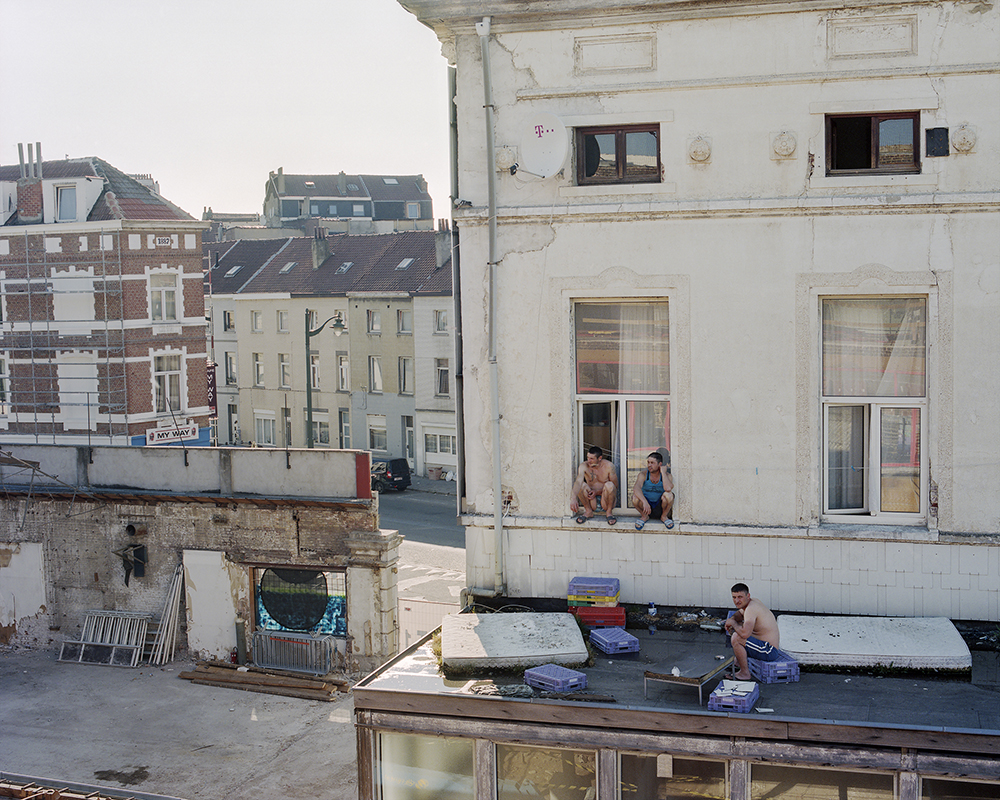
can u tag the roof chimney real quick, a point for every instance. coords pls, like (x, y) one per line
(320, 247)
(29, 189)
(281, 180)
(342, 183)
(442, 248)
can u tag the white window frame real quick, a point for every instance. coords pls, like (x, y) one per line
(344, 427)
(256, 321)
(284, 371)
(442, 368)
(406, 375)
(62, 206)
(374, 321)
(413, 210)
(314, 369)
(282, 321)
(623, 441)
(258, 369)
(378, 435)
(232, 375)
(265, 428)
(343, 372)
(228, 321)
(441, 321)
(404, 321)
(875, 409)
(163, 297)
(168, 383)
(375, 375)
(321, 428)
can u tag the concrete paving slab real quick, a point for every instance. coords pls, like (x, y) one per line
(903, 642)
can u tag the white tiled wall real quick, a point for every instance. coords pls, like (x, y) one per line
(788, 570)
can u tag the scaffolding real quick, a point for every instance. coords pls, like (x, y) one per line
(64, 341)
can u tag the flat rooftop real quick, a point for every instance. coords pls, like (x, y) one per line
(919, 710)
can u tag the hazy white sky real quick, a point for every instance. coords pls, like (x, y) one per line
(208, 96)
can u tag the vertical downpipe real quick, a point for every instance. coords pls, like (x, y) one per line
(456, 291)
(483, 29)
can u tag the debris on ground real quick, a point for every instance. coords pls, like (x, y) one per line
(266, 681)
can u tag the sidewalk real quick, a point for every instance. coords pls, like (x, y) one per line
(421, 484)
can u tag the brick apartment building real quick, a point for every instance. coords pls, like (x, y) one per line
(102, 307)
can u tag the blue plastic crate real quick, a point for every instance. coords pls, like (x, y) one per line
(786, 670)
(593, 587)
(614, 640)
(555, 678)
(740, 703)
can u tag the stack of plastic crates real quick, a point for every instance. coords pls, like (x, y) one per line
(723, 699)
(784, 670)
(593, 592)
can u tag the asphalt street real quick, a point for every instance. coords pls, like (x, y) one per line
(423, 513)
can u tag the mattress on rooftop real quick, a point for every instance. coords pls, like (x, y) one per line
(905, 642)
(511, 641)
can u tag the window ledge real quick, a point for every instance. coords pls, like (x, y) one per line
(170, 328)
(618, 190)
(872, 181)
(627, 518)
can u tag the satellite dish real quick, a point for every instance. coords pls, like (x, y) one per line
(543, 145)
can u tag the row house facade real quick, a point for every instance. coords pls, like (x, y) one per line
(762, 239)
(378, 354)
(345, 203)
(102, 306)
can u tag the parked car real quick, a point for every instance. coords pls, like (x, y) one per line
(390, 473)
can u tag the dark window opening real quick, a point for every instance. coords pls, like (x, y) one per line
(626, 154)
(296, 599)
(873, 143)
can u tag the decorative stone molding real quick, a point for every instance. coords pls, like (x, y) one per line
(783, 145)
(963, 139)
(872, 37)
(599, 55)
(700, 150)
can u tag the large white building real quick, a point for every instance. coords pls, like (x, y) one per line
(761, 238)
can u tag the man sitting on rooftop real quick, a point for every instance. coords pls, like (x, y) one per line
(753, 629)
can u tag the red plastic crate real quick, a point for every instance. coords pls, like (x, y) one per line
(597, 617)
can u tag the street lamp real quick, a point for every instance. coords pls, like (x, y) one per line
(339, 326)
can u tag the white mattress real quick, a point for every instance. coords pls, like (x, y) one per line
(511, 641)
(907, 642)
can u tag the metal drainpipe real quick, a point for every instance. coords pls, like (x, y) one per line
(456, 292)
(483, 29)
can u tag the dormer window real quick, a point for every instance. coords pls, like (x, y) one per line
(66, 203)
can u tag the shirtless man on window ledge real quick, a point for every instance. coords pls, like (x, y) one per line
(753, 629)
(596, 481)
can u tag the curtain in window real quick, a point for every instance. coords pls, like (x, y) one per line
(874, 347)
(622, 348)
